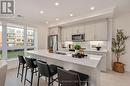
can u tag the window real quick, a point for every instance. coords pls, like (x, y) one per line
(15, 52)
(15, 37)
(0, 37)
(0, 41)
(30, 38)
(15, 41)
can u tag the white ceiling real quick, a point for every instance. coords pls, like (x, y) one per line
(30, 9)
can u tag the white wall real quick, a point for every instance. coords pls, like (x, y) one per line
(42, 35)
(123, 22)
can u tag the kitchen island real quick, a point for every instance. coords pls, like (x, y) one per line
(89, 65)
(3, 71)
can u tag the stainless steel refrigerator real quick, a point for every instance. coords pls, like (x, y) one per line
(53, 42)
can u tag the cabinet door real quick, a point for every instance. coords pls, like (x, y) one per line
(101, 31)
(50, 31)
(74, 30)
(68, 34)
(62, 35)
(78, 29)
(53, 31)
(90, 31)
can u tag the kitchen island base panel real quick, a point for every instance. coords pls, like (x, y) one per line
(3, 71)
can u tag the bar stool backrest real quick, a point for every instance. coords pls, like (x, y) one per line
(30, 62)
(21, 59)
(67, 78)
(43, 68)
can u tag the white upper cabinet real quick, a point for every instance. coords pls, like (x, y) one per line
(53, 31)
(78, 29)
(101, 30)
(90, 32)
(81, 29)
(96, 31)
(69, 33)
(66, 34)
(63, 35)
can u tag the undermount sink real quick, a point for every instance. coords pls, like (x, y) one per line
(61, 53)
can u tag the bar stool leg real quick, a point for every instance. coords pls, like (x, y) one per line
(18, 70)
(87, 83)
(35, 71)
(32, 70)
(38, 79)
(58, 84)
(22, 73)
(48, 81)
(52, 80)
(25, 76)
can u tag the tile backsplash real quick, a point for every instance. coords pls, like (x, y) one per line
(94, 44)
(87, 45)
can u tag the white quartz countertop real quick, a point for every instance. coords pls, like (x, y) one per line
(95, 50)
(89, 61)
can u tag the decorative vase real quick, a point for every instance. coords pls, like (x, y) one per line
(76, 51)
(118, 67)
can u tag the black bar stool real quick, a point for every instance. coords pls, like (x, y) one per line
(83, 77)
(67, 78)
(46, 70)
(30, 64)
(22, 63)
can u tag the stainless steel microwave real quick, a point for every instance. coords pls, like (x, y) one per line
(78, 37)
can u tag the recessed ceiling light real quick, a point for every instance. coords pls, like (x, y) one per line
(56, 4)
(71, 14)
(41, 12)
(57, 19)
(92, 8)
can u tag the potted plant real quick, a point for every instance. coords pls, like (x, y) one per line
(118, 48)
(77, 47)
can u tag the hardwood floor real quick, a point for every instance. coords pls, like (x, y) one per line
(107, 79)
